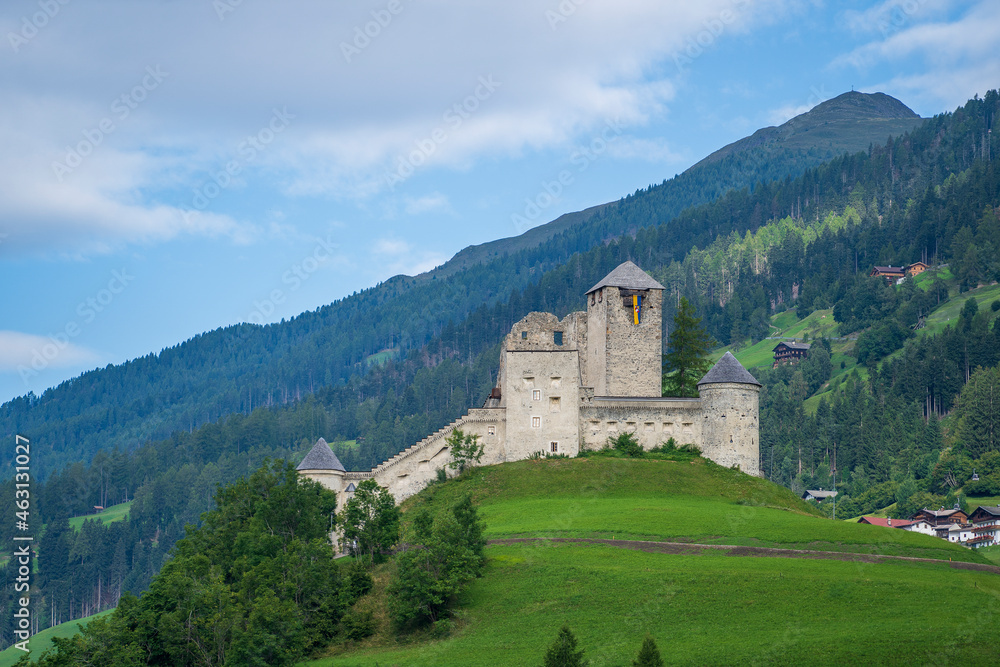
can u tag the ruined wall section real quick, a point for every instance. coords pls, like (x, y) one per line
(652, 421)
(731, 429)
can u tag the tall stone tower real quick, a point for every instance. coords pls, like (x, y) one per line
(730, 430)
(624, 334)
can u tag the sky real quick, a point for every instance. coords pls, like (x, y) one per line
(174, 166)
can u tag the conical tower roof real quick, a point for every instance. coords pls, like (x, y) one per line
(629, 276)
(728, 369)
(321, 457)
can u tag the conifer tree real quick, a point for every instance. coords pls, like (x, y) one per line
(649, 655)
(686, 360)
(563, 652)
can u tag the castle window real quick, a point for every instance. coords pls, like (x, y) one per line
(491, 430)
(536, 422)
(553, 446)
(556, 383)
(557, 337)
(591, 298)
(536, 394)
(524, 335)
(600, 296)
(554, 404)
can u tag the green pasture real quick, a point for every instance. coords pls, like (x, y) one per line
(107, 515)
(708, 610)
(43, 640)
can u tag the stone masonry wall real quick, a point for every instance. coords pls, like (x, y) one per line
(652, 421)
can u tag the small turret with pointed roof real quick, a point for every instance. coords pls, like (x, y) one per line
(321, 457)
(730, 430)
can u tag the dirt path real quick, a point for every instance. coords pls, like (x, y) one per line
(731, 550)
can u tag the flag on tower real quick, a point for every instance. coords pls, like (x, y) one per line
(636, 307)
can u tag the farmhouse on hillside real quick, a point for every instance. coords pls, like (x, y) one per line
(897, 273)
(568, 385)
(787, 352)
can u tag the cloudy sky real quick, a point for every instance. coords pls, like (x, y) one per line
(172, 166)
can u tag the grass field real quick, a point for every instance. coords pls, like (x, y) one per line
(702, 609)
(43, 640)
(108, 515)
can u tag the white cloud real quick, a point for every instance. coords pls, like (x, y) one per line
(435, 202)
(957, 57)
(32, 354)
(461, 82)
(391, 246)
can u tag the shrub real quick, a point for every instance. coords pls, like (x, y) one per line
(995, 306)
(627, 444)
(358, 625)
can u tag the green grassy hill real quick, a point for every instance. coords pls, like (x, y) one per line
(43, 640)
(703, 606)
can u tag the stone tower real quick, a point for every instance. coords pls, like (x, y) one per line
(624, 334)
(729, 404)
(323, 466)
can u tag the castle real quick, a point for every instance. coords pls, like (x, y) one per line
(568, 385)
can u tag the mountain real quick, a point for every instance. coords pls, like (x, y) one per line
(845, 124)
(848, 123)
(237, 368)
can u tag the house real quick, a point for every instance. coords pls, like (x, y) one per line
(789, 352)
(897, 273)
(985, 521)
(941, 517)
(919, 526)
(957, 533)
(890, 273)
(888, 523)
(819, 495)
(568, 385)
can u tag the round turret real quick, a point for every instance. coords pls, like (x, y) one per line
(730, 413)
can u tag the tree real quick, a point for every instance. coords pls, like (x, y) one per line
(649, 655)
(686, 360)
(465, 450)
(562, 652)
(627, 444)
(371, 521)
(443, 558)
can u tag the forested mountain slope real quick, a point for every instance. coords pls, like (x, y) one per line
(237, 368)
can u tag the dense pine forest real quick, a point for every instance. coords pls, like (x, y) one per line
(905, 426)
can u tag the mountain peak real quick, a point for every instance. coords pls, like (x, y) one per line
(847, 123)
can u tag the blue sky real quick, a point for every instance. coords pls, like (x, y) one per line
(175, 166)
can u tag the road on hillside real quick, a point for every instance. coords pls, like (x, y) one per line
(733, 550)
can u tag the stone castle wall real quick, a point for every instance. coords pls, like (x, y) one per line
(652, 420)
